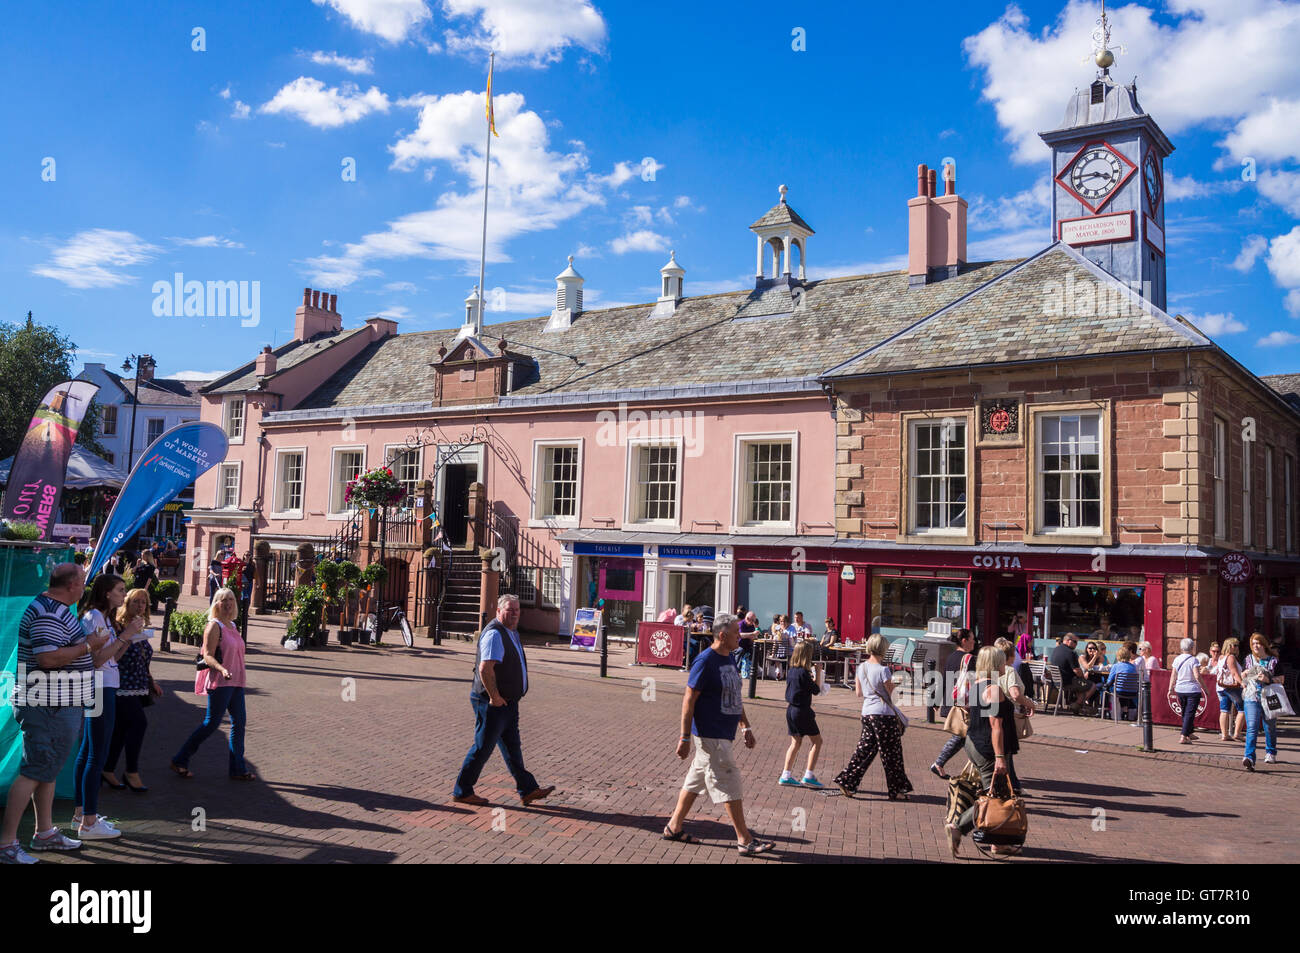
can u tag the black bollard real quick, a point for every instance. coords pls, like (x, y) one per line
(164, 644)
(604, 654)
(1144, 712)
(929, 691)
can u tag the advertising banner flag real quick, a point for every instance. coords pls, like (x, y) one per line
(171, 463)
(35, 483)
(1167, 709)
(659, 643)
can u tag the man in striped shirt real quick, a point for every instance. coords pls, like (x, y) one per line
(52, 650)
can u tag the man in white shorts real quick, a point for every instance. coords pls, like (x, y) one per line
(711, 712)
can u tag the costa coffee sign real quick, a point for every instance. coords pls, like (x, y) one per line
(995, 562)
(1236, 568)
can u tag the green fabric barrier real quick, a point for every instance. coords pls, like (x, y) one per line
(24, 572)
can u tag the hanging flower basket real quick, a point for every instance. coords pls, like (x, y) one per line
(375, 488)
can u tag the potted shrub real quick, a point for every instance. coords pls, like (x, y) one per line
(169, 589)
(349, 577)
(309, 606)
(18, 530)
(327, 575)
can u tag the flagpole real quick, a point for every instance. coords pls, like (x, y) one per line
(487, 167)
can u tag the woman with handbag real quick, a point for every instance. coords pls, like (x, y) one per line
(991, 739)
(1257, 673)
(1013, 686)
(882, 726)
(1185, 680)
(955, 717)
(221, 678)
(136, 691)
(1227, 678)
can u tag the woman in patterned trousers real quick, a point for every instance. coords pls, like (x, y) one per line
(882, 730)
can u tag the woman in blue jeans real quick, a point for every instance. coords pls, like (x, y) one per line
(1256, 673)
(107, 593)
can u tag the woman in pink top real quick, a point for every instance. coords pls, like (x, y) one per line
(1146, 662)
(223, 682)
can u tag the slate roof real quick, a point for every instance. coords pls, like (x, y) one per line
(781, 214)
(1040, 310)
(165, 391)
(289, 355)
(731, 337)
(1283, 383)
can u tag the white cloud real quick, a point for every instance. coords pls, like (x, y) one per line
(395, 312)
(1281, 188)
(1216, 325)
(195, 375)
(206, 241)
(277, 145)
(641, 215)
(392, 20)
(682, 201)
(625, 171)
(1278, 339)
(525, 31)
(326, 107)
(1017, 244)
(400, 286)
(893, 263)
(1179, 188)
(640, 240)
(1271, 134)
(240, 110)
(534, 188)
(1251, 249)
(587, 251)
(1032, 207)
(356, 65)
(1284, 265)
(93, 259)
(1205, 63)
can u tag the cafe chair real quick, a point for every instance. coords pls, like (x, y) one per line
(1122, 697)
(1037, 667)
(1054, 682)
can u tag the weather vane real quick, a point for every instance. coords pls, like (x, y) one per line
(1102, 54)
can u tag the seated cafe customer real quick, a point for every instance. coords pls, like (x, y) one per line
(1123, 681)
(1072, 676)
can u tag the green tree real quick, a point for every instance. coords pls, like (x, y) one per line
(33, 358)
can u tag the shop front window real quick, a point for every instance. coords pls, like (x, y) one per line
(902, 608)
(1109, 613)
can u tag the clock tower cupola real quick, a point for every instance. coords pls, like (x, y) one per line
(1108, 161)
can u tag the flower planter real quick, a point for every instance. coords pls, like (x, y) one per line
(346, 636)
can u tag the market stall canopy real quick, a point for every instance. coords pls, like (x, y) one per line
(85, 470)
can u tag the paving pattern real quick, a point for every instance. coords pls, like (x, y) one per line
(369, 780)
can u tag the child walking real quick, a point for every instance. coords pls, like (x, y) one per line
(800, 687)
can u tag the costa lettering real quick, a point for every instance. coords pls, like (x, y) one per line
(995, 562)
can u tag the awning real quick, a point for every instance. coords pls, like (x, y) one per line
(85, 470)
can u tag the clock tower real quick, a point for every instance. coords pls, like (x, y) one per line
(1108, 161)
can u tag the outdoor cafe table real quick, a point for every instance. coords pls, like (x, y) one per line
(848, 654)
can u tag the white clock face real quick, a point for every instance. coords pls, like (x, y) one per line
(1096, 173)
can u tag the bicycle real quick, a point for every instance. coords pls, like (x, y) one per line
(392, 616)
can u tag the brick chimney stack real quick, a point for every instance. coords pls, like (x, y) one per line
(266, 362)
(318, 314)
(146, 367)
(936, 240)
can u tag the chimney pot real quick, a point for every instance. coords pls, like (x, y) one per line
(315, 295)
(930, 182)
(334, 303)
(949, 178)
(920, 180)
(306, 296)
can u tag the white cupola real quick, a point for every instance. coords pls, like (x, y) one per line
(781, 231)
(670, 294)
(473, 325)
(568, 298)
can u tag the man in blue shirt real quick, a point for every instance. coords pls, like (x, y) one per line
(711, 711)
(500, 681)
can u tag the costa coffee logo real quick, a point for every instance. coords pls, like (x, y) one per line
(660, 644)
(1236, 568)
(995, 562)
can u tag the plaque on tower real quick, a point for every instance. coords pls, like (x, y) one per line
(1155, 235)
(1097, 229)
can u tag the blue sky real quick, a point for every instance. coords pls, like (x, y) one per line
(626, 129)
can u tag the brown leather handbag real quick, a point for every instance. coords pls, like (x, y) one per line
(1000, 816)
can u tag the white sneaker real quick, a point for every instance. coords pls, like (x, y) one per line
(54, 840)
(1270, 759)
(100, 830)
(14, 854)
(78, 820)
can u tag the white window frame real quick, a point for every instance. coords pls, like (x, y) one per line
(390, 459)
(537, 519)
(221, 483)
(243, 418)
(913, 527)
(1269, 535)
(1247, 496)
(277, 511)
(1219, 477)
(161, 430)
(1041, 532)
(740, 498)
(103, 420)
(345, 512)
(630, 483)
(1288, 501)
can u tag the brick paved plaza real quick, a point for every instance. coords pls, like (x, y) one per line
(369, 780)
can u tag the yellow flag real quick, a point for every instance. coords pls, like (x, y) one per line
(491, 120)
